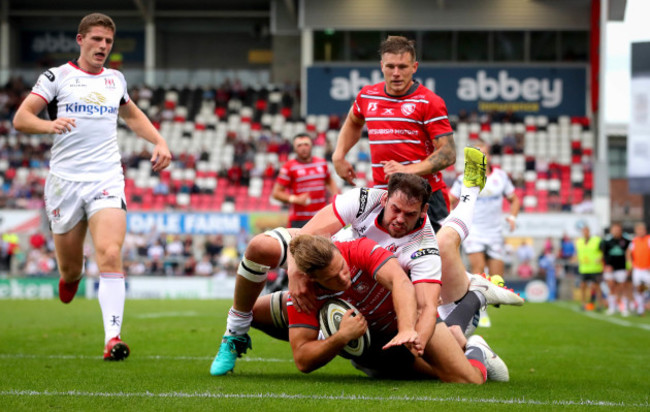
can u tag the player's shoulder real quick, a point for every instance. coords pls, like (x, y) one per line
(370, 90)
(426, 93)
(54, 74)
(113, 72)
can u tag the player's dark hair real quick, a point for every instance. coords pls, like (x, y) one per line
(312, 253)
(95, 19)
(397, 45)
(301, 135)
(412, 186)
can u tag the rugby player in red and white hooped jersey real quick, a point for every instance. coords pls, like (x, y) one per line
(85, 186)
(408, 128)
(366, 275)
(304, 183)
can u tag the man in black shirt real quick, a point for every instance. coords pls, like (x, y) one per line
(615, 273)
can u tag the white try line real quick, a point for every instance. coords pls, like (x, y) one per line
(606, 318)
(150, 357)
(271, 395)
(156, 315)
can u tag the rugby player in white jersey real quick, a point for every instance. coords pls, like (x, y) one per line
(485, 245)
(397, 220)
(85, 187)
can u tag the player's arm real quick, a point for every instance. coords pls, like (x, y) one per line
(443, 157)
(391, 276)
(26, 119)
(281, 193)
(323, 223)
(426, 295)
(140, 124)
(348, 136)
(515, 206)
(309, 353)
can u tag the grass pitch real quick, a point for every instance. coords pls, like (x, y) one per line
(559, 358)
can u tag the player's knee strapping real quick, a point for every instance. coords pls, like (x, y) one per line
(277, 314)
(256, 272)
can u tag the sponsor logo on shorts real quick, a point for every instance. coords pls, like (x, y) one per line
(56, 215)
(363, 201)
(424, 252)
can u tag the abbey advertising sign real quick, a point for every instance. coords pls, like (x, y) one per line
(550, 91)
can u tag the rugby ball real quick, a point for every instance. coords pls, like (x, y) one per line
(330, 316)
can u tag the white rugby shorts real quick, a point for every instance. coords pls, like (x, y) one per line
(492, 247)
(640, 276)
(618, 276)
(68, 202)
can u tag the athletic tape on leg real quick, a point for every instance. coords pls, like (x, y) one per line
(253, 271)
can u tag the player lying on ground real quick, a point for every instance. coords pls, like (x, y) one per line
(397, 220)
(369, 277)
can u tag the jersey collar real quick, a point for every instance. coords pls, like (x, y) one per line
(76, 66)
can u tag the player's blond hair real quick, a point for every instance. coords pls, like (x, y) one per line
(95, 19)
(398, 45)
(312, 253)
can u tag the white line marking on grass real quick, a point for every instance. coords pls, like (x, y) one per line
(152, 357)
(606, 318)
(157, 315)
(270, 395)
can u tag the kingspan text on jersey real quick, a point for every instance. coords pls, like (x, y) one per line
(90, 109)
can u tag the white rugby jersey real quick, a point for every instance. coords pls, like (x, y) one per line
(88, 152)
(488, 220)
(417, 252)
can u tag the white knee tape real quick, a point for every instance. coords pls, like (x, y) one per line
(253, 271)
(283, 237)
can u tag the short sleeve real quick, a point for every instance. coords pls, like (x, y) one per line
(46, 85)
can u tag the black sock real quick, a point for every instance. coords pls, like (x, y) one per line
(463, 313)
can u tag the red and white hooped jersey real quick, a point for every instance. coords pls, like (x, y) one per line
(417, 251)
(302, 178)
(88, 152)
(402, 128)
(364, 258)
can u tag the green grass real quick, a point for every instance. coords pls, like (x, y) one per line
(50, 359)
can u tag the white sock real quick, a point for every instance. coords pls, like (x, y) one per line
(625, 304)
(611, 302)
(638, 297)
(111, 295)
(238, 323)
(460, 219)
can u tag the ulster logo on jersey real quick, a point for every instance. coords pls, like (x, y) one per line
(109, 83)
(408, 108)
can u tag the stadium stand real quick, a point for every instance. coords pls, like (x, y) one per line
(228, 144)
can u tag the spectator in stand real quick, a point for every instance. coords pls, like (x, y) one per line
(204, 267)
(567, 254)
(213, 246)
(639, 254)
(525, 252)
(189, 266)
